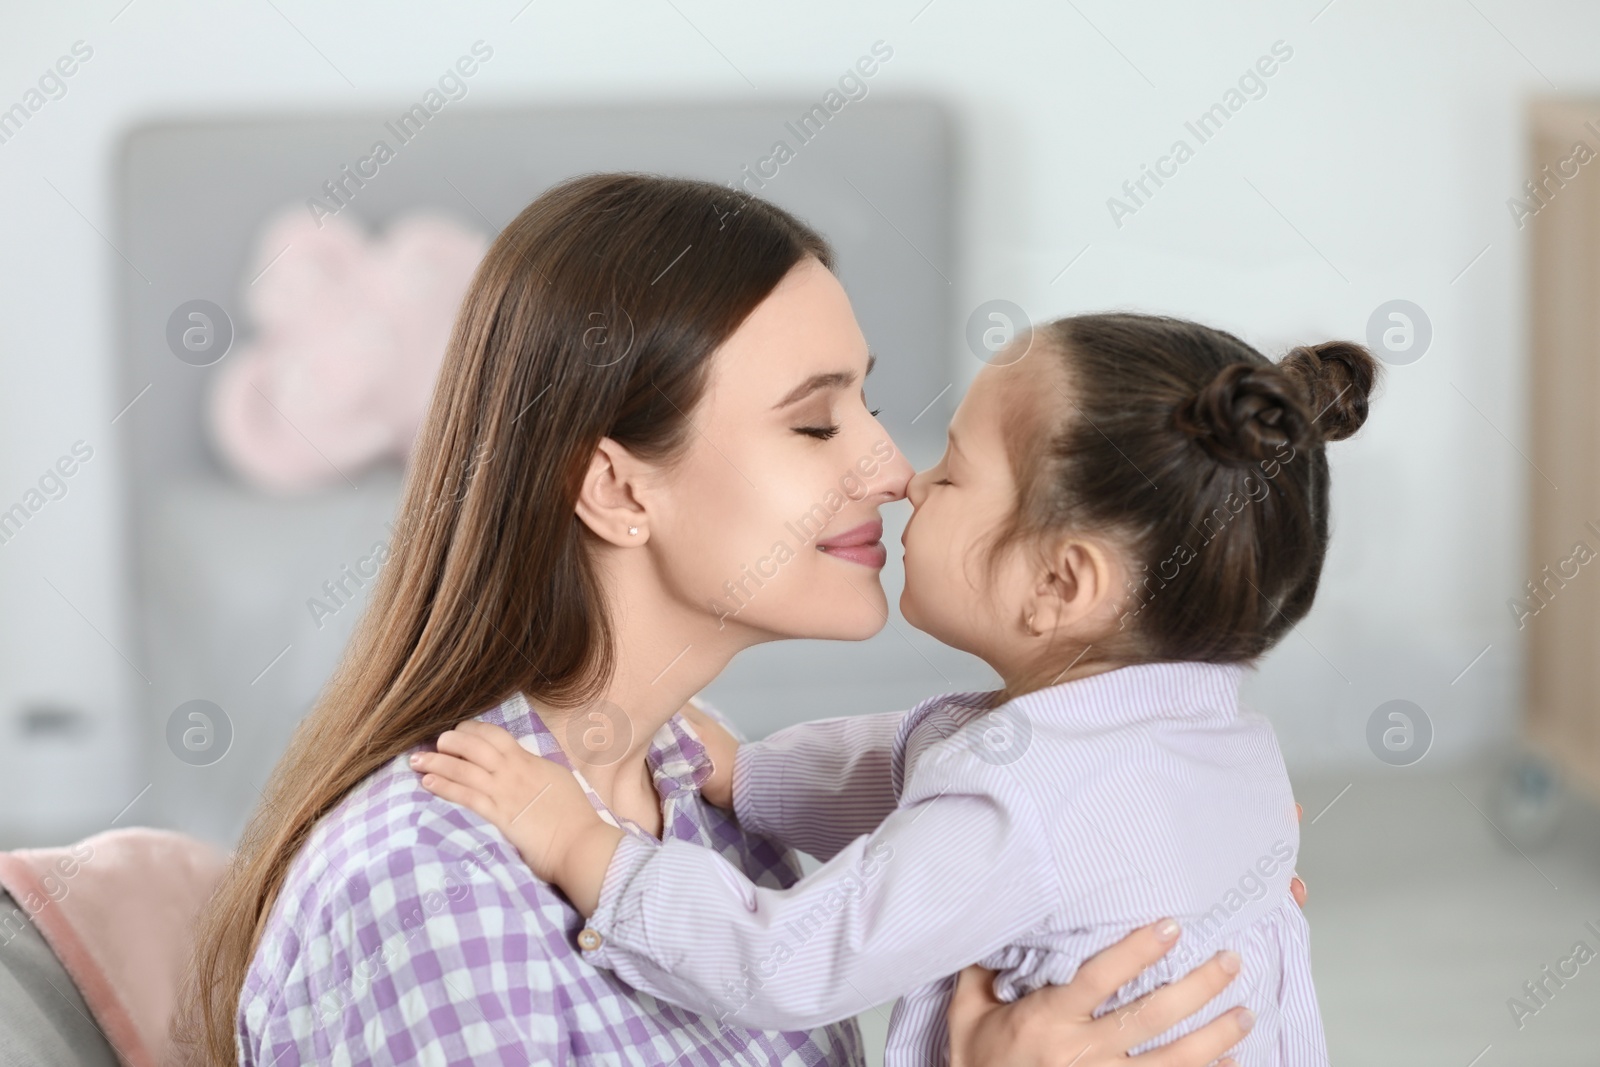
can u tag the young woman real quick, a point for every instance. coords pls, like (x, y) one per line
(647, 450)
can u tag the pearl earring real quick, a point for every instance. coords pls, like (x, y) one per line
(633, 531)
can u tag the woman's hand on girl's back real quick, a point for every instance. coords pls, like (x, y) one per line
(1055, 1026)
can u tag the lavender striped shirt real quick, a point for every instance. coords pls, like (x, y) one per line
(410, 931)
(1025, 837)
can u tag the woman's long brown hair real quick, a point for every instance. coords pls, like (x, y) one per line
(594, 314)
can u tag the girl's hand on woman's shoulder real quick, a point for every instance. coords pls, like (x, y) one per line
(1055, 1026)
(536, 803)
(721, 746)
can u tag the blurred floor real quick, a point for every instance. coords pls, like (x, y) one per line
(1425, 921)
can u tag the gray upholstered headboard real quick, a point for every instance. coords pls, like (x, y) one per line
(223, 573)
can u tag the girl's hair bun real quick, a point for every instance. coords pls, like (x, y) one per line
(1194, 409)
(1246, 413)
(1337, 377)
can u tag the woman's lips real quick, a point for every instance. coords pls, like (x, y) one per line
(863, 545)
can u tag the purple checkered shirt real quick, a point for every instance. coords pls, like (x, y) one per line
(408, 930)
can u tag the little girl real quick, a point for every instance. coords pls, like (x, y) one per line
(1130, 511)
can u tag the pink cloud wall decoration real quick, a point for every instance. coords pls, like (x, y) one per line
(349, 333)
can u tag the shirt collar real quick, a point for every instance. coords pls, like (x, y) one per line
(677, 759)
(1187, 688)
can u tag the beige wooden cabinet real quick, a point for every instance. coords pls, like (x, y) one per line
(1558, 609)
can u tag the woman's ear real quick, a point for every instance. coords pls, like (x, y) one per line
(610, 501)
(1079, 585)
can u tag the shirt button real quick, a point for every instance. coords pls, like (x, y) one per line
(589, 939)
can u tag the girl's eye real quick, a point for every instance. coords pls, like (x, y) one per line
(875, 412)
(942, 481)
(821, 433)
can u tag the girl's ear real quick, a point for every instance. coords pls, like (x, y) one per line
(610, 501)
(1078, 586)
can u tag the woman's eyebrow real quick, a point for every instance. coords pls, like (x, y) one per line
(831, 380)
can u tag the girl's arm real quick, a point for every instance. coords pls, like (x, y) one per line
(816, 786)
(943, 881)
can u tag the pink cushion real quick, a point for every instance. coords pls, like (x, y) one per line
(119, 909)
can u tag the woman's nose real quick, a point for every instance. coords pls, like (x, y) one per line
(892, 477)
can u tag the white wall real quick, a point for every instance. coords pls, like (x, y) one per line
(1389, 144)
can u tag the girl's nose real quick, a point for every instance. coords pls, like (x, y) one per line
(917, 488)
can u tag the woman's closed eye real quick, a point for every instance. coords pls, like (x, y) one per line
(821, 433)
(824, 433)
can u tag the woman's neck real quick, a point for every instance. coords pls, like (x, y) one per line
(664, 655)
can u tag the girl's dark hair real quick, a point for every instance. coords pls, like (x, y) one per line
(1203, 459)
(594, 314)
